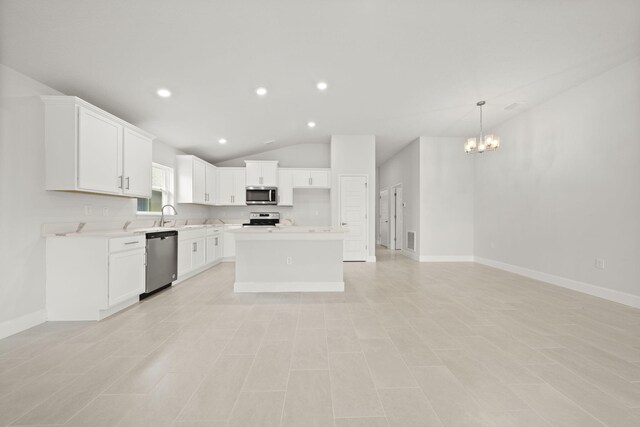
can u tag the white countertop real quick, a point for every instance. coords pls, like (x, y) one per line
(135, 232)
(289, 230)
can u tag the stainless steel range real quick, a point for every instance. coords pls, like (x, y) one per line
(263, 219)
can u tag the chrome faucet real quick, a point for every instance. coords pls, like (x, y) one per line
(162, 221)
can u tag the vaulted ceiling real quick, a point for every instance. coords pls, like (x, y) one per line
(396, 69)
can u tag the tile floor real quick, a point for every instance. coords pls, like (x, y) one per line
(407, 344)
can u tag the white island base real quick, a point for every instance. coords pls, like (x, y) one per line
(291, 259)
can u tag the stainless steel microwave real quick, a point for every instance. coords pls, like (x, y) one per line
(262, 196)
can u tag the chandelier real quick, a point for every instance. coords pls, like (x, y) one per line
(484, 142)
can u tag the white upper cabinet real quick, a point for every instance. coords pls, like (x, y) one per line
(137, 167)
(311, 178)
(210, 174)
(285, 187)
(231, 187)
(261, 173)
(196, 180)
(90, 150)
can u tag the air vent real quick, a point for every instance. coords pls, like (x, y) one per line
(512, 106)
(411, 240)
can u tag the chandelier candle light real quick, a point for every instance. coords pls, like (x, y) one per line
(485, 142)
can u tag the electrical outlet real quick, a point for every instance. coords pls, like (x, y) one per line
(600, 263)
(88, 210)
(289, 260)
(105, 211)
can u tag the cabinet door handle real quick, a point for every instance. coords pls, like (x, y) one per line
(216, 240)
(131, 243)
(128, 180)
(194, 246)
(145, 258)
(120, 181)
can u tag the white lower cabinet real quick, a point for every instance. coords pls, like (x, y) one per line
(126, 275)
(198, 249)
(90, 278)
(214, 247)
(230, 242)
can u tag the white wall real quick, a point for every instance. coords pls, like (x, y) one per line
(293, 156)
(25, 205)
(404, 168)
(354, 155)
(446, 200)
(564, 188)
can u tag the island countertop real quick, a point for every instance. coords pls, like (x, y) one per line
(289, 233)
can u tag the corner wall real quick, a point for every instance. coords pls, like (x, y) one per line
(26, 206)
(404, 168)
(564, 189)
(354, 155)
(446, 200)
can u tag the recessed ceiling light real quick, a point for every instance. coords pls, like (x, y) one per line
(261, 91)
(322, 85)
(164, 93)
(222, 141)
(311, 124)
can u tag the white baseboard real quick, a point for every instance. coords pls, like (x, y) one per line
(19, 324)
(586, 288)
(288, 287)
(447, 258)
(371, 258)
(195, 272)
(410, 254)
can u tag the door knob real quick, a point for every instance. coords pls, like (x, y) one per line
(344, 223)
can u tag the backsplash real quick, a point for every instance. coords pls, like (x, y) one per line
(311, 207)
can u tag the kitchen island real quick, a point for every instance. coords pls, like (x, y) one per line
(289, 259)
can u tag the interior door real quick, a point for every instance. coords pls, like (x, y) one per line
(137, 164)
(399, 218)
(99, 153)
(353, 216)
(126, 275)
(199, 181)
(384, 218)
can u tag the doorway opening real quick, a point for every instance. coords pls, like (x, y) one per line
(396, 218)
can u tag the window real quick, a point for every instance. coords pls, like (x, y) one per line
(161, 190)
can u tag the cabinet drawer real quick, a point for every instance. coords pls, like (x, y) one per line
(126, 243)
(214, 231)
(191, 234)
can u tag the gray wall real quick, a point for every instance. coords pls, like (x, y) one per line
(564, 188)
(26, 206)
(293, 156)
(446, 199)
(404, 168)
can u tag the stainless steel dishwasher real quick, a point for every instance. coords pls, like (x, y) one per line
(162, 260)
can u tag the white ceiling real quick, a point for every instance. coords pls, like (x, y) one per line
(396, 69)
